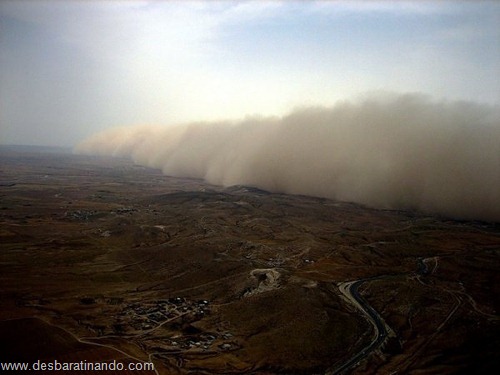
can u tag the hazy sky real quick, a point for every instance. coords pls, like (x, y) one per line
(71, 68)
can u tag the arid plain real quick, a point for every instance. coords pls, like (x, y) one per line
(102, 259)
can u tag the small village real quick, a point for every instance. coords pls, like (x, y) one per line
(141, 319)
(148, 316)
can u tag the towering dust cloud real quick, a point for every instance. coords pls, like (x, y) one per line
(398, 152)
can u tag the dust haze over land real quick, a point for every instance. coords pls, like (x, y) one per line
(386, 151)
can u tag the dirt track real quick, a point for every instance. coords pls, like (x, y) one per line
(108, 250)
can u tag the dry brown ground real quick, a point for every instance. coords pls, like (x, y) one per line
(87, 243)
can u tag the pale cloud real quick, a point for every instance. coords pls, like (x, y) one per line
(387, 7)
(100, 64)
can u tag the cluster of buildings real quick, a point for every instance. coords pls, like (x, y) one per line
(149, 315)
(139, 318)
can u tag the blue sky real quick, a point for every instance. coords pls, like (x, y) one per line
(69, 69)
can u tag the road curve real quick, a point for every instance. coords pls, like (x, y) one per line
(350, 291)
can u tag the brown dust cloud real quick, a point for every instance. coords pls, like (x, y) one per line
(404, 151)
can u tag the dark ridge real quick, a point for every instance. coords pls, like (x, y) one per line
(36, 149)
(184, 196)
(247, 189)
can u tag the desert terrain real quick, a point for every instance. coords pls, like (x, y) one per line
(105, 260)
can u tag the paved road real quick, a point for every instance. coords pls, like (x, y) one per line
(350, 291)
